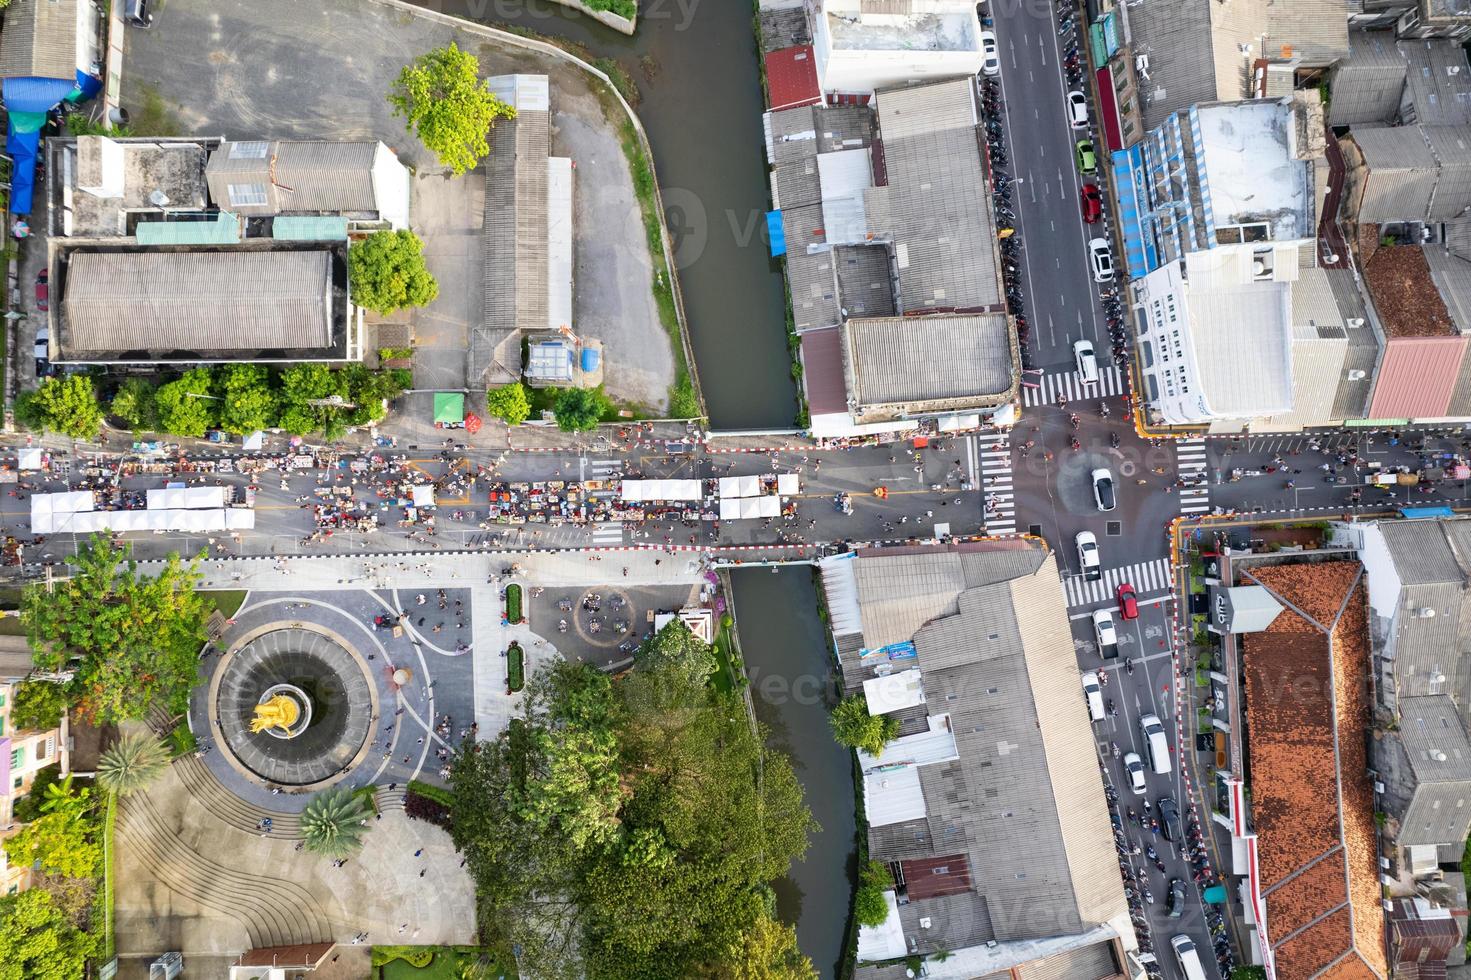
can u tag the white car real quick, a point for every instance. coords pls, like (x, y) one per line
(1077, 110)
(991, 64)
(1087, 363)
(1134, 771)
(1088, 557)
(1103, 492)
(1103, 629)
(1093, 694)
(1101, 257)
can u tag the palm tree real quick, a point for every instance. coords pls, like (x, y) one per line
(333, 822)
(132, 763)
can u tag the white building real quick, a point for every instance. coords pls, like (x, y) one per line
(859, 50)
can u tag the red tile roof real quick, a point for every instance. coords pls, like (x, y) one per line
(791, 77)
(1312, 806)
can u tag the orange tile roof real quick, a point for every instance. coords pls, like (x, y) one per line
(1312, 804)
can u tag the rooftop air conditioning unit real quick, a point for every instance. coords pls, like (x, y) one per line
(1384, 863)
(1357, 375)
(1425, 612)
(1354, 322)
(1437, 755)
(1378, 787)
(924, 923)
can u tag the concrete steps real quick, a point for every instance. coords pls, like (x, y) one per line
(273, 911)
(229, 808)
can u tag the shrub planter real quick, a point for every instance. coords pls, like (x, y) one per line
(513, 604)
(515, 669)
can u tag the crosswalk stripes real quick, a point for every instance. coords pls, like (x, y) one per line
(996, 485)
(604, 535)
(1190, 462)
(602, 467)
(1146, 577)
(1068, 385)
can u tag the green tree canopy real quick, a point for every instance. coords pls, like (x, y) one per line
(665, 872)
(37, 706)
(854, 727)
(37, 942)
(386, 272)
(130, 637)
(128, 766)
(332, 823)
(62, 841)
(766, 951)
(65, 404)
(675, 648)
(133, 405)
(509, 403)
(443, 99)
(580, 409)
(869, 906)
(249, 400)
(187, 406)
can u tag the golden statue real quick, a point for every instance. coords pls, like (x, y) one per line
(281, 711)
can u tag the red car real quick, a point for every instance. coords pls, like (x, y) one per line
(43, 291)
(1092, 203)
(1128, 602)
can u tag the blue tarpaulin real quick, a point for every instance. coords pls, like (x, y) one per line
(1421, 513)
(776, 234)
(27, 100)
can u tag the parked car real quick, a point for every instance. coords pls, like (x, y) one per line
(1087, 159)
(1101, 258)
(137, 14)
(1134, 770)
(43, 352)
(1128, 602)
(1089, 559)
(990, 53)
(43, 291)
(1077, 110)
(1108, 636)
(1092, 203)
(1103, 491)
(1175, 901)
(1169, 818)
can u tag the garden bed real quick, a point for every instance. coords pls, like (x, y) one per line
(515, 668)
(513, 604)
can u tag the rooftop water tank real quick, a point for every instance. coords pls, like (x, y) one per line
(590, 357)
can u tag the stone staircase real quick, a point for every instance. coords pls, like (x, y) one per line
(229, 808)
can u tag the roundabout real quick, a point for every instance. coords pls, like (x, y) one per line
(294, 705)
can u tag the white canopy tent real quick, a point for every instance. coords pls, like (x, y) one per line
(187, 498)
(646, 491)
(424, 495)
(30, 458)
(787, 484)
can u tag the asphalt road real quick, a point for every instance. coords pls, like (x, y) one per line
(1061, 299)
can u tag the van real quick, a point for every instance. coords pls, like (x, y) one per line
(1093, 694)
(1156, 742)
(1189, 959)
(1087, 363)
(137, 14)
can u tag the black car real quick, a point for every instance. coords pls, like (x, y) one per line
(1175, 901)
(1169, 819)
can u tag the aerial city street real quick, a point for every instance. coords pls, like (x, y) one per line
(623, 489)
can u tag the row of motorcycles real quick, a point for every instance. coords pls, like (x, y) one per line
(1011, 245)
(1136, 883)
(1072, 57)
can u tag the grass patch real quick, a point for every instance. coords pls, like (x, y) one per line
(620, 78)
(438, 962)
(228, 602)
(154, 117)
(513, 603)
(623, 8)
(515, 668)
(725, 675)
(109, 819)
(431, 792)
(181, 741)
(12, 626)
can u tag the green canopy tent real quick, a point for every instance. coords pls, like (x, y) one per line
(449, 409)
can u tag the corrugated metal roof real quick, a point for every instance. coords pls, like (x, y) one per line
(1366, 86)
(1402, 174)
(197, 301)
(810, 277)
(865, 280)
(40, 40)
(897, 360)
(1452, 148)
(1431, 730)
(1438, 82)
(309, 228)
(822, 372)
(844, 177)
(1417, 377)
(1174, 39)
(1316, 30)
(223, 229)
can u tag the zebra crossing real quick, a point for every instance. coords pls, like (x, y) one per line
(1067, 384)
(1146, 577)
(1190, 463)
(600, 469)
(996, 483)
(605, 535)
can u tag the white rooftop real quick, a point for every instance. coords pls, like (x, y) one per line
(894, 692)
(892, 794)
(904, 32)
(1251, 173)
(1242, 335)
(844, 176)
(884, 942)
